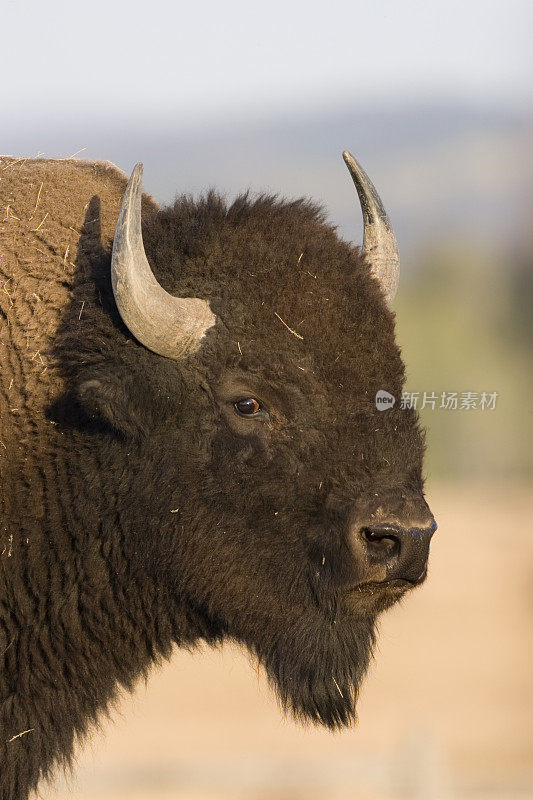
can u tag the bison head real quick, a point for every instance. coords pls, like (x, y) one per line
(253, 475)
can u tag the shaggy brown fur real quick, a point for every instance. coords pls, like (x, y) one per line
(136, 509)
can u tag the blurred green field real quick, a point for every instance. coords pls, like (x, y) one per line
(465, 323)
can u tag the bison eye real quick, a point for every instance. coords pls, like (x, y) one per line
(247, 407)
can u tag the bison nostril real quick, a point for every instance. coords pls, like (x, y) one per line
(402, 551)
(381, 542)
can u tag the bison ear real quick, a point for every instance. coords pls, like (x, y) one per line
(109, 402)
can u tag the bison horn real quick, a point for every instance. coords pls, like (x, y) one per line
(170, 326)
(379, 243)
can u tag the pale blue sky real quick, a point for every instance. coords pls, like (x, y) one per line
(201, 59)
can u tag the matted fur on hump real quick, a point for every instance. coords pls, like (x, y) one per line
(43, 211)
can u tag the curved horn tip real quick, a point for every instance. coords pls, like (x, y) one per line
(348, 158)
(354, 167)
(379, 242)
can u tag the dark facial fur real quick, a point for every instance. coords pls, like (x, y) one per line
(247, 519)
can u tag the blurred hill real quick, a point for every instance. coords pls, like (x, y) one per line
(445, 169)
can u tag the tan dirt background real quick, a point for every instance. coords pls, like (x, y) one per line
(446, 711)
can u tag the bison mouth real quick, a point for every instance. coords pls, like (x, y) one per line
(373, 597)
(394, 585)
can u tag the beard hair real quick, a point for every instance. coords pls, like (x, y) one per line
(316, 672)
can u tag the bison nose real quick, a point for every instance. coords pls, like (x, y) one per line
(403, 552)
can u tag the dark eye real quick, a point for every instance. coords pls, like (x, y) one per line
(247, 407)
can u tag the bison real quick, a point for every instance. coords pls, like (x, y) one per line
(190, 448)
